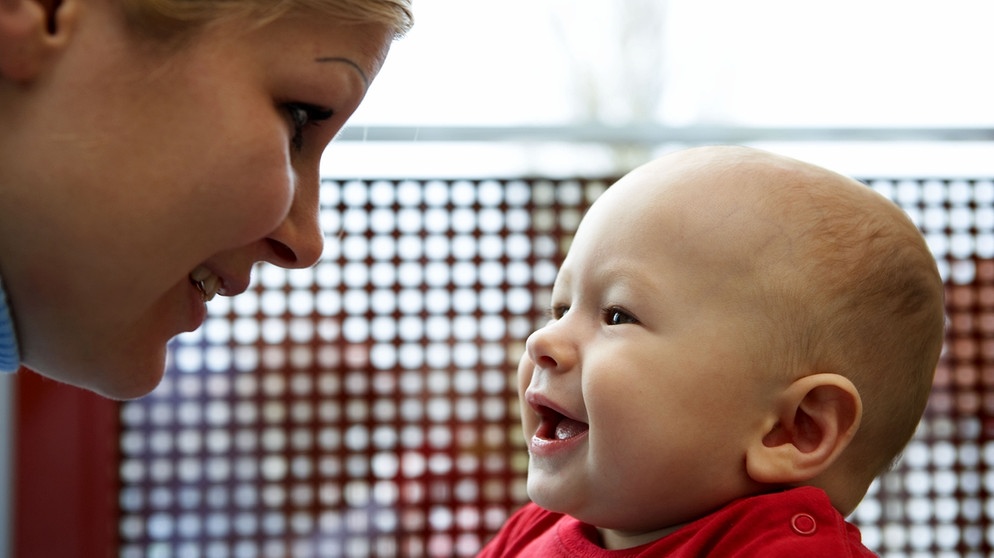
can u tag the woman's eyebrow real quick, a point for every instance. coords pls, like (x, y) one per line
(323, 59)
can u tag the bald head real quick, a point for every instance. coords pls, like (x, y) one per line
(839, 278)
(742, 202)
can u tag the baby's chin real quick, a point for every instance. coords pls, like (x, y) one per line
(618, 515)
(552, 498)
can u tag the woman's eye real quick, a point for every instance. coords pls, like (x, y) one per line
(557, 312)
(302, 115)
(617, 316)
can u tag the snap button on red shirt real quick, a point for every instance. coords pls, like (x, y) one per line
(803, 524)
(796, 522)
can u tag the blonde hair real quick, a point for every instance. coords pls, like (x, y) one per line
(167, 19)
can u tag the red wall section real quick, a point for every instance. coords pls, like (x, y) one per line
(65, 470)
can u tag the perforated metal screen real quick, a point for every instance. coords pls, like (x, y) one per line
(939, 501)
(365, 407)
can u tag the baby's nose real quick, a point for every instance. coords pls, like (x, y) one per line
(549, 349)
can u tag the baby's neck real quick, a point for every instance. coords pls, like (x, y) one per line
(613, 539)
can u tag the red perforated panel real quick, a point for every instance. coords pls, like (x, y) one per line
(362, 407)
(938, 501)
(365, 407)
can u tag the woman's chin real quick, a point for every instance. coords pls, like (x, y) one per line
(122, 379)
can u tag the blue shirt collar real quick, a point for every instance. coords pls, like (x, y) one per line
(10, 359)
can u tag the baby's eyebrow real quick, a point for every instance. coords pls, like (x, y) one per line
(323, 59)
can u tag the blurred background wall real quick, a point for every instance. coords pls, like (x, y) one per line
(364, 407)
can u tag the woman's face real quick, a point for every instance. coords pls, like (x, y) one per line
(135, 167)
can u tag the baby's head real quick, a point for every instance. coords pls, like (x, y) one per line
(727, 322)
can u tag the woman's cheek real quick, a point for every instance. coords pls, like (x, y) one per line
(260, 202)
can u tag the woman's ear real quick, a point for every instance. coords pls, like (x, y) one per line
(817, 417)
(31, 31)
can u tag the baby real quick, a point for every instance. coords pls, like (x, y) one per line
(739, 344)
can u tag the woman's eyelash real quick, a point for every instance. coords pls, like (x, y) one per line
(302, 115)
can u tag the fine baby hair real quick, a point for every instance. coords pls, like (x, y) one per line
(736, 338)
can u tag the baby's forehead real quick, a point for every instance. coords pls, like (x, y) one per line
(743, 215)
(750, 189)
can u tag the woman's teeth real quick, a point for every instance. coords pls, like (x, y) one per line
(206, 282)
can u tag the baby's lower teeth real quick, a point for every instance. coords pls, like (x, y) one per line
(567, 428)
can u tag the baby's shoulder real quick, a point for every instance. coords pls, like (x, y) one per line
(796, 522)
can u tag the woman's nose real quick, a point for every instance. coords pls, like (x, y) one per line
(298, 241)
(550, 348)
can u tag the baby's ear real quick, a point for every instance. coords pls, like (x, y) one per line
(30, 32)
(817, 417)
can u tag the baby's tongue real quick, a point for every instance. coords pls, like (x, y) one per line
(567, 428)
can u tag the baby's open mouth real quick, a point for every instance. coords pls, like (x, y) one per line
(556, 426)
(206, 282)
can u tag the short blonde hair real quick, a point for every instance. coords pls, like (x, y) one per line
(169, 18)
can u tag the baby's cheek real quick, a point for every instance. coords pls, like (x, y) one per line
(529, 421)
(525, 370)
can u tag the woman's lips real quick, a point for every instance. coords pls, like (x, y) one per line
(211, 282)
(197, 312)
(206, 282)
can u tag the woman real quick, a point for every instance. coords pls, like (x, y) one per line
(151, 151)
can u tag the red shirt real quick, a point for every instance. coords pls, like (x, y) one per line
(797, 522)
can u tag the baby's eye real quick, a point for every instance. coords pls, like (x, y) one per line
(302, 115)
(617, 316)
(557, 312)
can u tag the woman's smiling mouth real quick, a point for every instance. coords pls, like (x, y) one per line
(206, 282)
